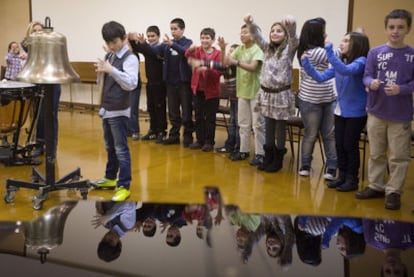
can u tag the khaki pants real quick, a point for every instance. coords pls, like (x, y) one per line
(385, 135)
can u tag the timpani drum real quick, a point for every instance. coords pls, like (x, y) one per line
(15, 102)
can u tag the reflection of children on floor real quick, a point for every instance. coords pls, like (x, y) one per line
(171, 216)
(392, 238)
(251, 230)
(279, 238)
(118, 218)
(350, 238)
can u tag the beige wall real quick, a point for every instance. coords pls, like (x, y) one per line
(370, 14)
(14, 18)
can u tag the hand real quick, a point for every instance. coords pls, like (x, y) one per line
(192, 48)
(195, 62)
(392, 90)
(375, 84)
(248, 18)
(222, 43)
(202, 69)
(167, 40)
(137, 227)
(141, 38)
(218, 218)
(103, 66)
(164, 226)
(288, 20)
(304, 56)
(133, 36)
(99, 220)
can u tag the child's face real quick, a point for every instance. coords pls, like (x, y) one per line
(176, 31)
(277, 34)
(245, 36)
(152, 38)
(148, 225)
(344, 46)
(172, 233)
(206, 41)
(396, 30)
(341, 245)
(14, 48)
(273, 246)
(115, 45)
(36, 28)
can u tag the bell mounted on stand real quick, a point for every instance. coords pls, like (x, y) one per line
(48, 65)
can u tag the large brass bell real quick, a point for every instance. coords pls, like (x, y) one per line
(47, 61)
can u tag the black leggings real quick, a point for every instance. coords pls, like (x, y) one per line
(275, 129)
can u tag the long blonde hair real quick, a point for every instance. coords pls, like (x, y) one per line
(31, 26)
(29, 31)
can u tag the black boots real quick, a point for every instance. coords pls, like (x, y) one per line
(350, 184)
(277, 162)
(339, 181)
(273, 159)
(268, 157)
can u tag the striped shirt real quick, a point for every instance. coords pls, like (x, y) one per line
(310, 90)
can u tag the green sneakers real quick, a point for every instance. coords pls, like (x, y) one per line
(104, 183)
(121, 194)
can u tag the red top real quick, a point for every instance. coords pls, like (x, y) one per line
(208, 81)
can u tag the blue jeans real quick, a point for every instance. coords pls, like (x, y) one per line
(133, 125)
(116, 144)
(318, 119)
(233, 136)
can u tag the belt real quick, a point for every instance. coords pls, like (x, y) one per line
(275, 90)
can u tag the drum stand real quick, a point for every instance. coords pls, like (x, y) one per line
(47, 183)
(16, 154)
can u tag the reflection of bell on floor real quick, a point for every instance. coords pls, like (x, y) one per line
(47, 61)
(46, 232)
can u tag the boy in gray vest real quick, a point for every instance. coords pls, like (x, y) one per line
(119, 71)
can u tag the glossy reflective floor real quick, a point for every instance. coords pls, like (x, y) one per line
(200, 239)
(176, 174)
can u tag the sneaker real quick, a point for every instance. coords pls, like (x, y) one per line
(222, 149)
(330, 174)
(160, 138)
(149, 136)
(369, 193)
(187, 141)
(239, 156)
(104, 183)
(304, 170)
(135, 136)
(195, 146)
(207, 147)
(393, 201)
(121, 194)
(171, 140)
(258, 160)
